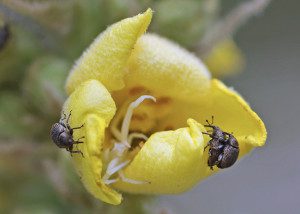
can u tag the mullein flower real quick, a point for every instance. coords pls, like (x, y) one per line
(225, 59)
(142, 100)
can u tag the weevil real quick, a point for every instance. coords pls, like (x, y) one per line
(62, 135)
(223, 147)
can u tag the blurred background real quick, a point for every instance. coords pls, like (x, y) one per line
(39, 42)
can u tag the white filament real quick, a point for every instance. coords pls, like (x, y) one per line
(110, 181)
(131, 181)
(136, 135)
(118, 167)
(122, 143)
(128, 115)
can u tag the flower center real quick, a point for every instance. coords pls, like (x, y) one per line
(117, 157)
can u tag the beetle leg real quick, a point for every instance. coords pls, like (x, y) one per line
(210, 165)
(76, 151)
(78, 140)
(69, 150)
(71, 129)
(209, 152)
(79, 127)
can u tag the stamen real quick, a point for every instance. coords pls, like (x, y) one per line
(127, 118)
(107, 182)
(113, 167)
(136, 135)
(113, 128)
(119, 148)
(131, 181)
(122, 142)
(116, 133)
(112, 164)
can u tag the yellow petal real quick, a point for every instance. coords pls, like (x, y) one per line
(231, 112)
(91, 105)
(225, 59)
(165, 68)
(171, 161)
(235, 115)
(105, 59)
(174, 161)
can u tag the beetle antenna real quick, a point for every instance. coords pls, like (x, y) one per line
(69, 116)
(208, 122)
(207, 134)
(61, 120)
(65, 116)
(212, 121)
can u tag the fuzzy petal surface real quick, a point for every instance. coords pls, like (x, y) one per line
(106, 57)
(162, 66)
(93, 107)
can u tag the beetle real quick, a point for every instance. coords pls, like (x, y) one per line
(223, 147)
(62, 135)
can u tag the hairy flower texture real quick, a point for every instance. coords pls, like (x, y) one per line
(142, 100)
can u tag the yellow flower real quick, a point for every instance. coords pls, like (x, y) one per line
(225, 59)
(142, 100)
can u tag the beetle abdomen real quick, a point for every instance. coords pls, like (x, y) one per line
(55, 132)
(60, 136)
(230, 155)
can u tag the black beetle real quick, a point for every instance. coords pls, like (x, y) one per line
(223, 148)
(62, 135)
